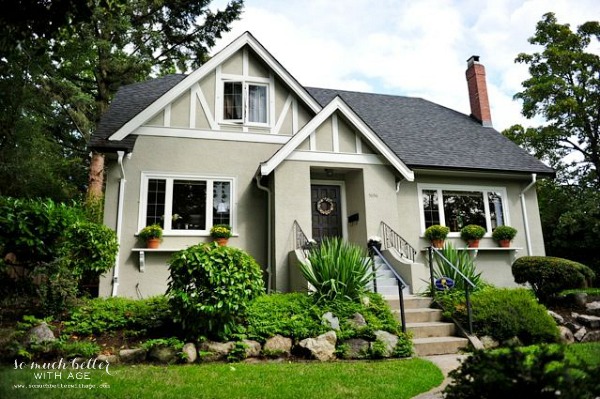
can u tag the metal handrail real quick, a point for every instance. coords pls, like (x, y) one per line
(401, 284)
(300, 239)
(431, 250)
(391, 239)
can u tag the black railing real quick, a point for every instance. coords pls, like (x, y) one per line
(401, 284)
(391, 239)
(468, 283)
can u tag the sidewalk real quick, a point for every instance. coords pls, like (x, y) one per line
(446, 363)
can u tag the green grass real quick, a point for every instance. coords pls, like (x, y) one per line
(403, 378)
(588, 352)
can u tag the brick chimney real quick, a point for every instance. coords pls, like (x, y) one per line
(478, 95)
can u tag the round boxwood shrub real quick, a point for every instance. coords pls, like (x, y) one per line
(548, 276)
(210, 288)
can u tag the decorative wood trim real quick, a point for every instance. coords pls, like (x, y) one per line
(283, 114)
(211, 120)
(167, 116)
(212, 135)
(193, 99)
(335, 138)
(315, 156)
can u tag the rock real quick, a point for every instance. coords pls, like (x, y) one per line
(278, 345)
(566, 336)
(489, 342)
(389, 341)
(40, 334)
(592, 336)
(513, 342)
(215, 350)
(163, 354)
(558, 318)
(580, 298)
(593, 308)
(357, 348)
(136, 355)
(589, 321)
(329, 320)
(580, 334)
(321, 348)
(357, 320)
(110, 359)
(574, 327)
(253, 348)
(190, 352)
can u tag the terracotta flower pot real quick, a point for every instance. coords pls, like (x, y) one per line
(153, 243)
(473, 243)
(439, 244)
(222, 241)
(504, 243)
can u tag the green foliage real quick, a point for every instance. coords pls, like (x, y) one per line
(238, 352)
(404, 347)
(89, 248)
(463, 261)
(377, 350)
(171, 342)
(504, 313)
(534, 372)
(57, 286)
(338, 269)
(436, 232)
(211, 287)
(71, 349)
(220, 231)
(504, 233)
(472, 232)
(548, 276)
(152, 231)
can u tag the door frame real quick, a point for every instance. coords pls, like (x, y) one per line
(344, 213)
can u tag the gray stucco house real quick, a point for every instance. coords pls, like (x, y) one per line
(240, 141)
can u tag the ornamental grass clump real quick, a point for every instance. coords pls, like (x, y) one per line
(462, 261)
(338, 269)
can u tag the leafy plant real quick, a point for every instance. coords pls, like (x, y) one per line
(377, 350)
(462, 261)
(436, 232)
(171, 342)
(472, 232)
(152, 231)
(338, 269)
(238, 352)
(220, 231)
(548, 276)
(504, 233)
(404, 347)
(211, 287)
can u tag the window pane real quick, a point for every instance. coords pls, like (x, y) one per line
(232, 100)
(155, 208)
(462, 208)
(431, 208)
(496, 211)
(221, 202)
(189, 205)
(257, 104)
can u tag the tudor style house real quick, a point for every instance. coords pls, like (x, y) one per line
(239, 141)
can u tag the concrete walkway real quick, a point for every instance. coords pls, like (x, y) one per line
(446, 363)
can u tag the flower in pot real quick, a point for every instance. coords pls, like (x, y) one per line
(503, 235)
(152, 235)
(437, 234)
(221, 233)
(472, 233)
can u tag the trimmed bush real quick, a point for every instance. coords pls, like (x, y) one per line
(504, 313)
(472, 232)
(548, 276)
(436, 232)
(211, 287)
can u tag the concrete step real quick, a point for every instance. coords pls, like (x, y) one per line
(431, 329)
(410, 302)
(420, 315)
(438, 345)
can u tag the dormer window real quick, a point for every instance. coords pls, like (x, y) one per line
(245, 102)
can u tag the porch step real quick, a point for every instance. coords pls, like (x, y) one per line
(431, 329)
(410, 302)
(439, 345)
(424, 315)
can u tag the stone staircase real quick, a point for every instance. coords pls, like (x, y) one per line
(431, 336)
(387, 285)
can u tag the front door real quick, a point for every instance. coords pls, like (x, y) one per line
(326, 203)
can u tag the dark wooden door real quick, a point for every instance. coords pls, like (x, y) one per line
(326, 203)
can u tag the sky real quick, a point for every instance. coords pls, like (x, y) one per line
(415, 48)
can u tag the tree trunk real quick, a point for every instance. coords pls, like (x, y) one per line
(96, 178)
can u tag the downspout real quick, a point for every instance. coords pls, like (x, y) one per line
(121, 201)
(269, 231)
(524, 210)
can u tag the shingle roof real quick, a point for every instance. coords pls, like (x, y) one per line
(427, 135)
(421, 133)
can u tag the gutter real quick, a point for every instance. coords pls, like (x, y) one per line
(269, 268)
(524, 210)
(121, 202)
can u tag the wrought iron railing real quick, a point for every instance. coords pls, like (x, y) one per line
(391, 239)
(468, 283)
(301, 241)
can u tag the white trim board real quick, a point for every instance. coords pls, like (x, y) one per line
(213, 135)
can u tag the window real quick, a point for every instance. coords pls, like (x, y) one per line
(185, 205)
(245, 102)
(456, 207)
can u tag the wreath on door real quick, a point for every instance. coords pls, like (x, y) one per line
(325, 206)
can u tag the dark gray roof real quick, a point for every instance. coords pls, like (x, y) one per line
(129, 101)
(427, 135)
(421, 133)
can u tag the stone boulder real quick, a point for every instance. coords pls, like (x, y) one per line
(589, 321)
(214, 351)
(162, 354)
(357, 348)
(322, 347)
(253, 348)
(277, 346)
(557, 318)
(357, 321)
(592, 336)
(488, 342)
(190, 353)
(566, 336)
(389, 341)
(136, 355)
(110, 359)
(329, 320)
(40, 334)
(593, 308)
(580, 334)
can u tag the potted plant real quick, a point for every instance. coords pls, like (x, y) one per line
(503, 235)
(152, 235)
(221, 233)
(436, 234)
(374, 242)
(472, 233)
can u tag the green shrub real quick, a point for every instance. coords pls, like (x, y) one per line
(462, 260)
(504, 233)
(338, 269)
(548, 276)
(89, 248)
(472, 232)
(534, 372)
(436, 232)
(210, 288)
(504, 313)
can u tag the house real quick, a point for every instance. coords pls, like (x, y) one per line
(240, 141)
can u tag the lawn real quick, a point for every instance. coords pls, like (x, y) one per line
(399, 378)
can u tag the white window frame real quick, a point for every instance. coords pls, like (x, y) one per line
(451, 187)
(246, 83)
(170, 178)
